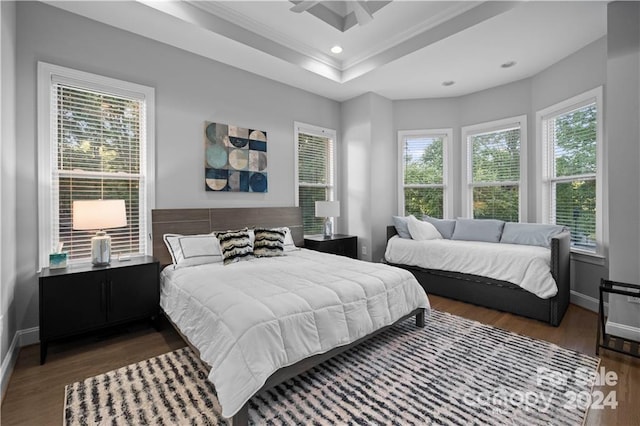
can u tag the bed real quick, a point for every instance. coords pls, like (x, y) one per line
(261, 308)
(502, 295)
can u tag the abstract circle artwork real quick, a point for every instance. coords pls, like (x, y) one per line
(235, 158)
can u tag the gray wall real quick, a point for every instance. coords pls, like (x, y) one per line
(584, 70)
(420, 114)
(189, 90)
(623, 150)
(7, 177)
(572, 76)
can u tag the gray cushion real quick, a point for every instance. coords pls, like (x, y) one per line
(532, 234)
(402, 227)
(488, 230)
(444, 226)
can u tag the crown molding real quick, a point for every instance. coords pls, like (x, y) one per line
(407, 34)
(222, 11)
(398, 42)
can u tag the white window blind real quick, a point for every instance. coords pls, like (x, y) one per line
(316, 174)
(97, 145)
(571, 141)
(99, 155)
(494, 173)
(423, 177)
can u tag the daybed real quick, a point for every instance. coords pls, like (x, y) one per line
(498, 294)
(260, 322)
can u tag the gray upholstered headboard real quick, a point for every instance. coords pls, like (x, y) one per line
(204, 221)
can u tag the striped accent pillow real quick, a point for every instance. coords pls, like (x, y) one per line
(269, 242)
(235, 245)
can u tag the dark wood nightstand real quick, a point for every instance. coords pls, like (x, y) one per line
(344, 245)
(82, 298)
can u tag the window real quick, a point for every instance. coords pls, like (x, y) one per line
(495, 156)
(571, 135)
(94, 142)
(315, 172)
(423, 172)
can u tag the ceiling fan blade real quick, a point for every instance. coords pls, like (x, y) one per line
(303, 6)
(361, 10)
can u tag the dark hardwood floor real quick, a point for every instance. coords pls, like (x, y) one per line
(35, 395)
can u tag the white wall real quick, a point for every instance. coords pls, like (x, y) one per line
(581, 71)
(623, 151)
(189, 90)
(356, 170)
(383, 172)
(368, 163)
(7, 184)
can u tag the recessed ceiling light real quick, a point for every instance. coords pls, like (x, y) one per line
(448, 83)
(336, 49)
(508, 64)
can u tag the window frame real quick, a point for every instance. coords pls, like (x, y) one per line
(447, 178)
(49, 74)
(332, 188)
(545, 156)
(467, 185)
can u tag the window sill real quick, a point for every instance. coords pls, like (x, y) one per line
(588, 257)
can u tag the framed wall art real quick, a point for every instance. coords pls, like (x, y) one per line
(235, 158)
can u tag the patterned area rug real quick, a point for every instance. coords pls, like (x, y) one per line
(454, 371)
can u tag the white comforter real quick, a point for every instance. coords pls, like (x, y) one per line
(525, 266)
(249, 319)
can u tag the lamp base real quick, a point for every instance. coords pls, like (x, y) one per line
(101, 249)
(328, 228)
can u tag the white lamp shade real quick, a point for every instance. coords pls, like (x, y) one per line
(327, 208)
(99, 214)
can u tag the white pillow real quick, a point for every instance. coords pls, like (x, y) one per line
(420, 230)
(289, 245)
(191, 250)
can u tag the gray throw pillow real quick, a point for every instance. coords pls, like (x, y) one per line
(489, 230)
(444, 226)
(402, 227)
(532, 234)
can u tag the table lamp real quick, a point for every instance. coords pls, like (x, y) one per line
(98, 215)
(328, 209)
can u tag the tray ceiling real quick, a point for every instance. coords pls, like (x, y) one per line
(408, 49)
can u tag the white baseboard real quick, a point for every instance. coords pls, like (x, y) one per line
(22, 338)
(587, 302)
(8, 363)
(623, 330)
(29, 336)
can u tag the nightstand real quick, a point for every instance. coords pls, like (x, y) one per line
(344, 245)
(82, 298)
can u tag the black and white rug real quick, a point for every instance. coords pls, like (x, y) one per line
(454, 371)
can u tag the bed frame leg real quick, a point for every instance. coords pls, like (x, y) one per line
(420, 318)
(242, 417)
